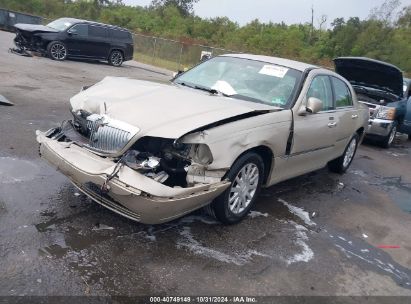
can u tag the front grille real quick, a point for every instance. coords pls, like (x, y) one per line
(107, 135)
(106, 138)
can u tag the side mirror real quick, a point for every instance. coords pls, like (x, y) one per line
(178, 73)
(314, 105)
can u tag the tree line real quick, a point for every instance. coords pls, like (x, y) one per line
(384, 35)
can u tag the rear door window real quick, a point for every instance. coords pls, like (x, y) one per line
(97, 31)
(342, 93)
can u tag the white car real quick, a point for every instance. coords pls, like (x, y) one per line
(214, 136)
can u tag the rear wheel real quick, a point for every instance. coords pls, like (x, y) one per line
(57, 50)
(116, 58)
(246, 176)
(389, 139)
(341, 164)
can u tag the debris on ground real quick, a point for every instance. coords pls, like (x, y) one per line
(20, 52)
(5, 102)
(101, 227)
(340, 186)
(254, 214)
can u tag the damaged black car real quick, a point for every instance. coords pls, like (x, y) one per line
(74, 38)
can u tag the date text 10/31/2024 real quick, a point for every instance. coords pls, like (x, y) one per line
(203, 299)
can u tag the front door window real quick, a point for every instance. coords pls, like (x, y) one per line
(321, 88)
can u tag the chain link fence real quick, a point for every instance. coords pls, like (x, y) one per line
(171, 54)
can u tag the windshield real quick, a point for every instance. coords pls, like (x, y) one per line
(244, 79)
(60, 24)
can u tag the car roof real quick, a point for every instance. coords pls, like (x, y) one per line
(77, 21)
(297, 65)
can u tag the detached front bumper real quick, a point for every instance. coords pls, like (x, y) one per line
(379, 127)
(130, 194)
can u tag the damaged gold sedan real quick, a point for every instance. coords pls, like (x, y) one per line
(212, 137)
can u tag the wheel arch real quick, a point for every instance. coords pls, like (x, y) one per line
(266, 155)
(116, 49)
(361, 133)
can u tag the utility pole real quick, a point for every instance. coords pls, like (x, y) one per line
(312, 23)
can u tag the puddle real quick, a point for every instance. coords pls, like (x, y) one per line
(401, 194)
(402, 199)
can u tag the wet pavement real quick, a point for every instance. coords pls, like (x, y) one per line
(318, 234)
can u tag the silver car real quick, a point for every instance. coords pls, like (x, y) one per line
(212, 137)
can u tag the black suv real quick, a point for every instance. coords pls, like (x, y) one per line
(74, 38)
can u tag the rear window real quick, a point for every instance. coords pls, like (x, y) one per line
(97, 31)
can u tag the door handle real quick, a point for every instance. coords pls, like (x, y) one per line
(332, 124)
(354, 116)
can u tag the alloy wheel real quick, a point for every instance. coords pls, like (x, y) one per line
(392, 135)
(349, 154)
(243, 188)
(116, 58)
(58, 51)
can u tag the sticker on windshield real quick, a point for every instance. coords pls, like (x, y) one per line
(273, 70)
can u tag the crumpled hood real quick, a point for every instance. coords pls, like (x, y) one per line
(370, 72)
(161, 110)
(35, 28)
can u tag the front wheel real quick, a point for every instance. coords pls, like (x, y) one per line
(341, 164)
(116, 58)
(389, 139)
(57, 50)
(246, 176)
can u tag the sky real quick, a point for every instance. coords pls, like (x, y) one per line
(289, 11)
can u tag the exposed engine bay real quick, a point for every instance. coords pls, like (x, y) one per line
(374, 96)
(164, 160)
(26, 41)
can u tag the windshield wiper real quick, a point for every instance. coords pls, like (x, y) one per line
(210, 90)
(201, 88)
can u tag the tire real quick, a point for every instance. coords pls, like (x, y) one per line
(389, 139)
(116, 58)
(249, 168)
(341, 164)
(57, 50)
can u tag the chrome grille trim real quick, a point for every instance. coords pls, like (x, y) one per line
(373, 108)
(108, 135)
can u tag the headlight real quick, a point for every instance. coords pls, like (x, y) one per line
(202, 154)
(386, 113)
